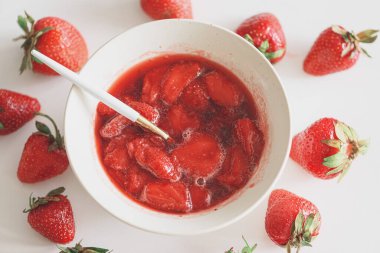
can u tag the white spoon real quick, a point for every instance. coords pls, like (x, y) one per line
(101, 95)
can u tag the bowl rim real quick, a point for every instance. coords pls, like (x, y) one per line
(251, 207)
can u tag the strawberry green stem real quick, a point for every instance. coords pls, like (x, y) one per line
(58, 137)
(51, 196)
(31, 37)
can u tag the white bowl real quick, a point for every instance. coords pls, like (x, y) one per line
(178, 36)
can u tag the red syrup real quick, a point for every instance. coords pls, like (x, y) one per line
(212, 119)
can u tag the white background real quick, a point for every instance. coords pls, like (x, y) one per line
(349, 209)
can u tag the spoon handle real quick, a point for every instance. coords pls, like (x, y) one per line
(101, 95)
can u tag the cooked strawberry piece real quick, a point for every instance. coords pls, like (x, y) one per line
(195, 96)
(180, 120)
(145, 110)
(170, 197)
(104, 110)
(200, 156)
(200, 197)
(235, 171)
(114, 126)
(152, 85)
(153, 159)
(117, 159)
(222, 91)
(117, 124)
(177, 78)
(132, 179)
(248, 135)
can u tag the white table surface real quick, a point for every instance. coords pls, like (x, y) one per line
(349, 209)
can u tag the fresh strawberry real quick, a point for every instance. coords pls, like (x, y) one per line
(164, 9)
(55, 38)
(118, 123)
(195, 96)
(248, 135)
(291, 220)
(327, 148)
(235, 171)
(264, 31)
(200, 197)
(104, 110)
(153, 159)
(52, 216)
(131, 180)
(152, 85)
(222, 91)
(335, 50)
(170, 197)
(200, 156)
(44, 155)
(15, 110)
(177, 78)
(78, 248)
(179, 120)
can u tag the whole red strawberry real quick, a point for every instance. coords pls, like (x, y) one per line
(164, 9)
(335, 50)
(264, 31)
(291, 220)
(44, 155)
(15, 110)
(327, 148)
(52, 216)
(78, 248)
(54, 37)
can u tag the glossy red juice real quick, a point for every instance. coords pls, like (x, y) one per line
(212, 119)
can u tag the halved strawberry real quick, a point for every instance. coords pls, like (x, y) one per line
(235, 171)
(177, 78)
(179, 120)
(195, 96)
(248, 135)
(200, 197)
(152, 85)
(200, 156)
(154, 159)
(222, 91)
(170, 197)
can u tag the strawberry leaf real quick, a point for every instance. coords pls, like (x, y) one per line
(248, 38)
(298, 223)
(335, 160)
(338, 30)
(339, 132)
(367, 36)
(41, 127)
(339, 168)
(23, 23)
(1, 126)
(333, 143)
(273, 55)
(365, 52)
(264, 46)
(30, 19)
(56, 191)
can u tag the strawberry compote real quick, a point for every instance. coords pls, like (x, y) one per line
(209, 114)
